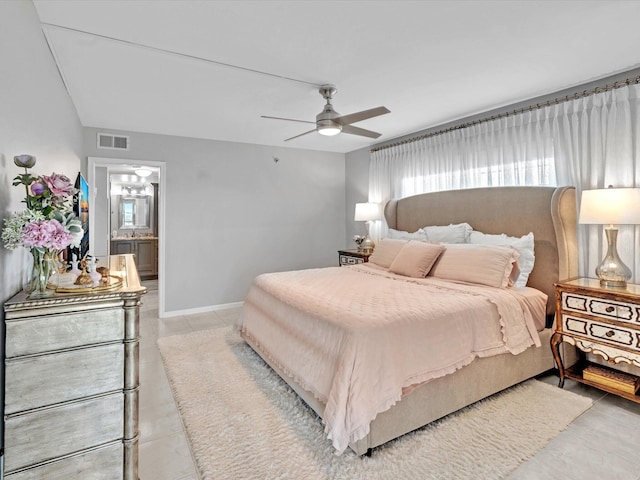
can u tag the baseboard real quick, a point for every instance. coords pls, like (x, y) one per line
(193, 311)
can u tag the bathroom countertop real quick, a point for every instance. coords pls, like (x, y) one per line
(137, 237)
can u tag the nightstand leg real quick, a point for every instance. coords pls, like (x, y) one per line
(556, 340)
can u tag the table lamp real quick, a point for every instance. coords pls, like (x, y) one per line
(367, 212)
(611, 206)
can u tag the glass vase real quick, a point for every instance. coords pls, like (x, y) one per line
(43, 276)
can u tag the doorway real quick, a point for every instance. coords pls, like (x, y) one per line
(127, 199)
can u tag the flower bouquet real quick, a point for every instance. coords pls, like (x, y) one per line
(47, 226)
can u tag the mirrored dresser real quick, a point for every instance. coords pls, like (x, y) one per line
(71, 382)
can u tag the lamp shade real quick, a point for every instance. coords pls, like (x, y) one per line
(610, 206)
(366, 212)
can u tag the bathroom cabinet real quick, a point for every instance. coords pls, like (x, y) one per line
(145, 251)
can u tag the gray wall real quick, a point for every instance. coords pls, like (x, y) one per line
(36, 117)
(233, 213)
(357, 191)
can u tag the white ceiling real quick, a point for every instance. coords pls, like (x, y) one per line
(429, 62)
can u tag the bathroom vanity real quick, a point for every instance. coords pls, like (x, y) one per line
(145, 250)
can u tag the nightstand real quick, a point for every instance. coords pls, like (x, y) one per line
(601, 321)
(352, 257)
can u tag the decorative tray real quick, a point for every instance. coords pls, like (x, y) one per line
(66, 284)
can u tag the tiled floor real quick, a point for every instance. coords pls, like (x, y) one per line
(601, 444)
(164, 451)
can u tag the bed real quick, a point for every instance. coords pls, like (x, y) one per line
(296, 321)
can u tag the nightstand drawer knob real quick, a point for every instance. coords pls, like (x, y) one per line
(610, 309)
(610, 333)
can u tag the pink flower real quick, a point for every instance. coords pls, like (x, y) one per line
(46, 233)
(59, 184)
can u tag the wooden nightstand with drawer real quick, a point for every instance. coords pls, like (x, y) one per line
(603, 322)
(352, 257)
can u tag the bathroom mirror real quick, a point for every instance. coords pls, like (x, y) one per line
(134, 212)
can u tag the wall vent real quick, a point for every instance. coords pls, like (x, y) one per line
(113, 142)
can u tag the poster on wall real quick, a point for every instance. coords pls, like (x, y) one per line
(81, 208)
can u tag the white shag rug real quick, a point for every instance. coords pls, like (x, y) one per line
(244, 422)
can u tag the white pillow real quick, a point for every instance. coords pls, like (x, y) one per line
(458, 233)
(386, 251)
(490, 265)
(419, 235)
(524, 245)
(416, 258)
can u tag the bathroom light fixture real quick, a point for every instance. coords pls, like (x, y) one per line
(143, 172)
(611, 206)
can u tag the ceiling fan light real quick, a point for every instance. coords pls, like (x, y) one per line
(329, 130)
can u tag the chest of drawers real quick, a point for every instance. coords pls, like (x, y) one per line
(71, 384)
(600, 321)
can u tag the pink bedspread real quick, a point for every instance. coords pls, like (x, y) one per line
(357, 336)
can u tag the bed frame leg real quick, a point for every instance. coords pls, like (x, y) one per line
(368, 452)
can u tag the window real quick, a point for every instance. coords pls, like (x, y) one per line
(533, 172)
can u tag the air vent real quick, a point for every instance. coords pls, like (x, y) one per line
(113, 142)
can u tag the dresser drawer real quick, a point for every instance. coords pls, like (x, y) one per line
(600, 307)
(348, 260)
(41, 380)
(31, 335)
(48, 433)
(104, 463)
(602, 332)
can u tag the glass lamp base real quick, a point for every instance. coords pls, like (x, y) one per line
(612, 272)
(604, 282)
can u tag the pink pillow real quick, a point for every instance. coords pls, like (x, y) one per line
(386, 251)
(416, 258)
(490, 265)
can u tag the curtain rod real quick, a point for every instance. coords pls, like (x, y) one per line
(548, 103)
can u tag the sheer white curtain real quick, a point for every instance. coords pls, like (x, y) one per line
(590, 142)
(596, 142)
(513, 150)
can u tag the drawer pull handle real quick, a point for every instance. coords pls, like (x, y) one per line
(610, 333)
(610, 309)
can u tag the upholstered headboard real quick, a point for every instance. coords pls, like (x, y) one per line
(548, 212)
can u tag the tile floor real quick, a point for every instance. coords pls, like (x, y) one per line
(601, 444)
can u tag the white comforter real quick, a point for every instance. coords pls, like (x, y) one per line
(357, 337)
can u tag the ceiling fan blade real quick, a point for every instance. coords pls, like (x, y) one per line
(287, 119)
(359, 116)
(359, 131)
(305, 133)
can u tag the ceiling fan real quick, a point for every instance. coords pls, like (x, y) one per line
(329, 122)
